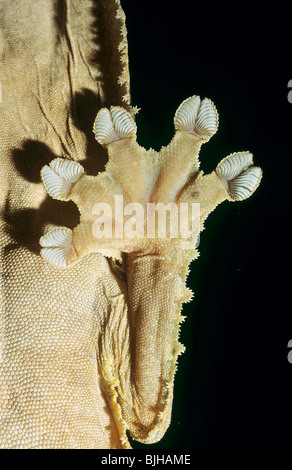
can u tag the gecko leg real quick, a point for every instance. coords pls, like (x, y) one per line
(156, 267)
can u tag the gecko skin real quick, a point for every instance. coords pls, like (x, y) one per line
(88, 348)
(139, 381)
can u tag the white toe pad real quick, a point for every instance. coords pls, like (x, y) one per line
(57, 246)
(60, 176)
(114, 124)
(197, 117)
(238, 175)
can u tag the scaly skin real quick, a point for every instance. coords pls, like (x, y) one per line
(90, 350)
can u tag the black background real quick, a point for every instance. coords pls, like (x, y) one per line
(233, 388)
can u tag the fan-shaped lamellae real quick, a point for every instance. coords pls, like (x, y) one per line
(197, 117)
(57, 247)
(114, 124)
(238, 175)
(60, 177)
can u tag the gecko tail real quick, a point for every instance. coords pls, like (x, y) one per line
(238, 175)
(60, 177)
(57, 247)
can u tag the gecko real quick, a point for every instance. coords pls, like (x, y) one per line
(90, 325)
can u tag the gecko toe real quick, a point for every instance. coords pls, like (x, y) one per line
(238, 175)
(60, 177)
(57, 247)
(197, 117)
(114, 124)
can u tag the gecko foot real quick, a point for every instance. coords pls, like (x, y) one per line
(57, 247)
(238, 175)
(137, 181)
(197, 117)
(60, 177)
(114, 124)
